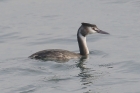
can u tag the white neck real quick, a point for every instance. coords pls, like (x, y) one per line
(82, 42)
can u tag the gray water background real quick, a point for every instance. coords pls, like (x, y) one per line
(28, 26)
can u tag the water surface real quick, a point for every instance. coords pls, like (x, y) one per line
(26, 27)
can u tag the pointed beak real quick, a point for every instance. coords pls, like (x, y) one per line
(102, 32)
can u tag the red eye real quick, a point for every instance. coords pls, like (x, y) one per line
(93, 28)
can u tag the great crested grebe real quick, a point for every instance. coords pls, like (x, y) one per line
(63, 55)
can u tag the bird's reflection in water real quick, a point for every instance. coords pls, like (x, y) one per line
(84, 73)
(87, 75)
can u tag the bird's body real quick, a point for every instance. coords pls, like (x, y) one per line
(64, 55)
(55, 55)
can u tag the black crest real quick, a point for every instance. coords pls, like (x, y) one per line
(88, 24)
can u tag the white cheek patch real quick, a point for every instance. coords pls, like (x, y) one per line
(91, 31)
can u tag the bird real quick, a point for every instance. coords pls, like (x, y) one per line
(65, 55)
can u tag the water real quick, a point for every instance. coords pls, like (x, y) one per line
(29, 26)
